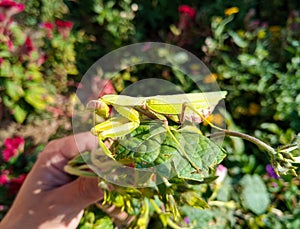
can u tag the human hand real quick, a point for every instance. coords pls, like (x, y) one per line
(49, 197)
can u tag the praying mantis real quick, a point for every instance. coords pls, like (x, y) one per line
(193, 107)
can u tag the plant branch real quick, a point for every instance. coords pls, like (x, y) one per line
(247, 137)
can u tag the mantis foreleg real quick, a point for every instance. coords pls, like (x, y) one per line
(116, 126)
(180, 146)
(187, 105)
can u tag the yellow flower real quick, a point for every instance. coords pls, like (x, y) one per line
(218, 19)
(254, 109)
(261, 34)
(216, 119)
(241, 33)
(210, 78)
(275, 29)
(231, 10)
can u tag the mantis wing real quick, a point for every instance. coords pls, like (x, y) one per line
(123, 100)
(193, 107)
(173, 104)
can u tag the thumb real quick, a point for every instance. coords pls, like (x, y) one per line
(81, 192)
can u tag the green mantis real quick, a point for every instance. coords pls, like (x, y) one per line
(193, 107)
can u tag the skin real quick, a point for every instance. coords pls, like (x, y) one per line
(49, 197)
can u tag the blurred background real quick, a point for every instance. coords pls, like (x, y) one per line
(251, 47)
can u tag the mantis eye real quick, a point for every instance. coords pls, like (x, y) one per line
(93, 105)
(101, 108)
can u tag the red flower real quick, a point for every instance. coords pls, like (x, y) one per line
(28, 46)
(187, 10)
(187, 15)
(12, 147)
(64, 24)
(19, 180)
(1, 60)
(16, 183)
(64, 27)
(47, 25)
(4, 177)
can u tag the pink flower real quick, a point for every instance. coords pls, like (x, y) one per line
(64, 27)
(221, 172)
(10, 45)
(4, 177)
(9, 8)
(105, 87)
(185, 9)
(187, 220)
(49, 29)
(1, 60)
(2, 17)
(12, 147)
(41, 59)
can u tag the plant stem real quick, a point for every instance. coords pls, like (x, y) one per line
(78, 171)
(159, 212)
(247, 137)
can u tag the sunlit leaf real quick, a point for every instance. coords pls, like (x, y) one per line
(255, 195)
(194, 200)
(19, 113)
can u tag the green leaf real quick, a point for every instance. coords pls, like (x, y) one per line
(19, 113)
(5, 70)
(143, 145)
(18, 71)
(14, 90)
(151, 145)
(237, 39)
(254, 195)
(5, 53)
(221, 26)
(35, 97)
(194, 200)
(104, 223)
(204, 153)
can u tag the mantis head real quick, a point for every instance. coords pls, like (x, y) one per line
(100, 108)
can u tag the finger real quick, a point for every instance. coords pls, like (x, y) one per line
(49, 168)
(70, 146)
(81, 192)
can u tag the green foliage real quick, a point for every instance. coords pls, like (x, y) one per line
(94, 218)
(150, 145)
(22, 87)
(254, 195)
(252, 62)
